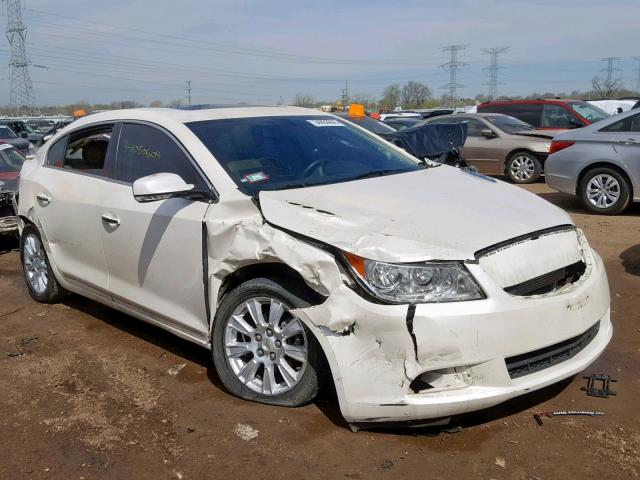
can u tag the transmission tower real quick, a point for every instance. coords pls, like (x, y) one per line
(188, 89)
(21, 96)
(493, 69)
(638, 76)
(610, 69)
(453, 65)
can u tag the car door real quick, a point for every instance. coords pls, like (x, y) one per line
(625, 135)
(480, 151)
(70, 191)
(154, 251)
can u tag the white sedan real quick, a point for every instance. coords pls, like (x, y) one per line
(300, 248)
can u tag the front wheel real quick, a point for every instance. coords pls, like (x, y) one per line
(605, 191)
(523, 167)
(261, 350)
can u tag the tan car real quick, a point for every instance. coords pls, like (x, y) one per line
(499, 144)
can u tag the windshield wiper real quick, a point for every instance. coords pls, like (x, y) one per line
(380, 173)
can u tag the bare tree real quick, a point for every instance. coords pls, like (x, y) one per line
(606, 88)
(391, 97)
(156, 103)
(415, 95)
(304, 100)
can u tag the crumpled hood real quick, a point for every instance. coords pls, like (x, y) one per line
(440, 213)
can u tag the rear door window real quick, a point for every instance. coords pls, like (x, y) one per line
(555, 116)
(90, 150)
(145, 150)
(629, 124)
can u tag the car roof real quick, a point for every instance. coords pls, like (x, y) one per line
(195, 115)
(531, 100)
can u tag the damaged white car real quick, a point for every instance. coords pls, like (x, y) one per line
(300, 248)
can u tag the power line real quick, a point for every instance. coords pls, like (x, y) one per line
(493, 69)
(21, 98)
(453, 65)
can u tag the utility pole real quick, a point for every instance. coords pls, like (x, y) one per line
(453, 65)
(21, 96)
(188, 89)
(493, 69)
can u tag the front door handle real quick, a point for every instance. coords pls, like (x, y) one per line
(629, 141)
(43, 199)
(110, 219)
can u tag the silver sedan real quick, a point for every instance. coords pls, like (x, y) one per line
(599, 163)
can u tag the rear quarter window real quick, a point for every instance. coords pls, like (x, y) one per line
(530, 113)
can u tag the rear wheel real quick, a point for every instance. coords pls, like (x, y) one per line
(523, 167)
(41, 282)
(604, 190)
(261, 350)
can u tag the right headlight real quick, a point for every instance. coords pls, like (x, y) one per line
(427, 282)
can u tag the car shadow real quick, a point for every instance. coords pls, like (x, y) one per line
(631, 260)
(8, 243)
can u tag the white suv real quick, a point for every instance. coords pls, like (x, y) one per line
(298, 247)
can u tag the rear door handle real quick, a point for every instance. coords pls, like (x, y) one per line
(43, 199)
(110, 219)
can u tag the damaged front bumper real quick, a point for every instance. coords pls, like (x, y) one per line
(395, 363)
(8, 220)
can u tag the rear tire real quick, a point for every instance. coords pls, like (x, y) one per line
(261, 351)
(605, 191)
(41, 282)
(523, 168)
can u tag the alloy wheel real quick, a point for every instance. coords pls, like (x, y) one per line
(603, 191)
(266, 345)
(522, 168)
(35, 264)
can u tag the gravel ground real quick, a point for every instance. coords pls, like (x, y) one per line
(88, 392)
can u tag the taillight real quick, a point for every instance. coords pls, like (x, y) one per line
(557, 145)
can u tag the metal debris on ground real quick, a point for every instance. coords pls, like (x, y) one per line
(501, 462)
(175, 370)
(587, 413)
(245, 432)
(592, 389)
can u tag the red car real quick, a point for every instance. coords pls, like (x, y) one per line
(548, 114)
(10, 164)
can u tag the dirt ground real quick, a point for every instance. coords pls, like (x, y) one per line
(88, 392)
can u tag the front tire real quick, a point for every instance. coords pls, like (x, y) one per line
(261, 351)
(41, 282)
(523, 168)
(605, 191)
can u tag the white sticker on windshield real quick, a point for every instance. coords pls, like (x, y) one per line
(326, 123)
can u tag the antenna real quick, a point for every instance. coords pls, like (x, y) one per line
(21, 98)
(453, 65)
(493, 69)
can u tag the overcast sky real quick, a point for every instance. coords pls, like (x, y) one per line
(260, 51)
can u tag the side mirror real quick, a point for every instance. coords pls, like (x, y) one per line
(159, 186)
(488, 133)
(24, 135)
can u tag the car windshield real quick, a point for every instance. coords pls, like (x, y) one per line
(368, 123)
(509, 124)
(588, 111)
(276, 153)
(10, 160)
(6, 132)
